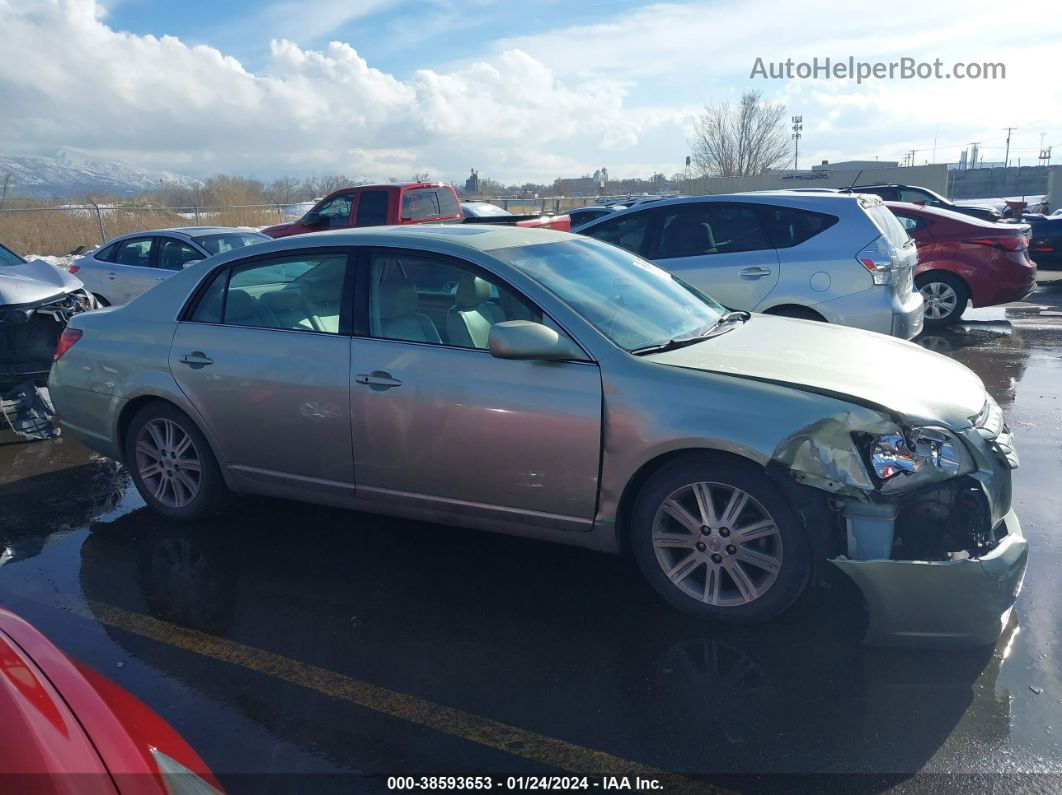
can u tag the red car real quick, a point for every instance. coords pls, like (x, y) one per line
(963, 259)
(66, 729)
(399, 203)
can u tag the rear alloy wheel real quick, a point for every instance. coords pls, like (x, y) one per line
(171, 463)
(718, 540)
(945, 297)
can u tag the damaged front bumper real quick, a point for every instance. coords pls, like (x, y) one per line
(29, 333)
(943, 603)
(938, 558)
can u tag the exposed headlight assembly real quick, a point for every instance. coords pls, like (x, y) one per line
(914, 456)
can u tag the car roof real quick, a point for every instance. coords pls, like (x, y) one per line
(481, 237)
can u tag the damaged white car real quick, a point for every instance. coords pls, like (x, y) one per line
(36, 301)
(553, 386)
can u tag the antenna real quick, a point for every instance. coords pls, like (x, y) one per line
(854, 181)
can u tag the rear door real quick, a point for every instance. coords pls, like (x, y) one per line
(263, 354)
(720, 248)
(131, 270)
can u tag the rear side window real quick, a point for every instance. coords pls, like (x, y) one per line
(106, 254)
(911, 223)
(888, 225)
(302, 292)
(790, 227)
(372, 208)
(420, 204)
(448, 205)
(690, 230)
(627, 231)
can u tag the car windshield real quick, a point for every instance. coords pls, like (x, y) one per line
(227, 241)
(629, 300)
(8, 257)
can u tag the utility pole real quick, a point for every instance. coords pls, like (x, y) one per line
(1006, 157)
(798, 125)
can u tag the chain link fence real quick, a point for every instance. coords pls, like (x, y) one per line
(56, 231)
(60, 230)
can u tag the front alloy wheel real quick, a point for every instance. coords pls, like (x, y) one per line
(717, 544)
(716, 538)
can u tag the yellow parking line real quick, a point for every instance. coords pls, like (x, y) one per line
(549, 751)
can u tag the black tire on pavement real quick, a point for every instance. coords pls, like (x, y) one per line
(660, 547)
(945, 296)
(209, 493)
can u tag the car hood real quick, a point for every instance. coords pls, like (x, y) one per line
(279, 230)
(870, 368)
(34, 281)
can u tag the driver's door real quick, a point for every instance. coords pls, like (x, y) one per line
(443, 429)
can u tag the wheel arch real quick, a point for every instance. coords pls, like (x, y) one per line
(634, 484)
(806, 312)
(135, 404)
(952, 272)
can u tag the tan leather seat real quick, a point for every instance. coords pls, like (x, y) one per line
(292, 310)
(399, 319)
(469, 320)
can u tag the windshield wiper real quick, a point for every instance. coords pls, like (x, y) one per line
(720, 326)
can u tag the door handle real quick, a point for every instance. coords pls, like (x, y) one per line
(196, 359)
(377, 378)
(755, 272)
(112, 275)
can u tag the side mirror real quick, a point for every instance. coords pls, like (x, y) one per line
(524, 339)
(310, 219)
(190, 263)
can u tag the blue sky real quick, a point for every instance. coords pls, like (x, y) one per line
(523, 91)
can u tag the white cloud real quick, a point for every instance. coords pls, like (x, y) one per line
(71, 80)
(620, 93)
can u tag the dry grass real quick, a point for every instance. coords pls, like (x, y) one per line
(57, 232)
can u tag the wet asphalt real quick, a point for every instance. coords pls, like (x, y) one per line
(298, 611)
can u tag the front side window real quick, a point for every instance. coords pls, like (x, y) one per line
(372, 208)
(692, 230)
(628, 299)
(335, 213)
(628, 231)
(135, 252)
(433, 300)
(301, 292)
(174, 253)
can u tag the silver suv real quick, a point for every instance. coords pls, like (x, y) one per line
(842, 258)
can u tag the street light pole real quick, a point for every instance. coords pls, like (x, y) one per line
(798, 125)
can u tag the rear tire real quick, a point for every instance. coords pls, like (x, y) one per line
(172, 465)
(945, 296)
(716, 539)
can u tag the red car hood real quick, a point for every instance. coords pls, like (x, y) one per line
(281, 230)
(66, 729)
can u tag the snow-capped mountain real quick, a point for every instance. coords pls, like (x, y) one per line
(71, 173)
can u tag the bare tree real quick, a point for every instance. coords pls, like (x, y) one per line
(421, 176)
(737, 142)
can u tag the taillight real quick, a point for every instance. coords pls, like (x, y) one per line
(74, 268)
(1008, 243)
(1042, 245)
(66, 342)
(877, 258)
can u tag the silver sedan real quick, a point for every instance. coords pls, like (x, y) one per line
(553, 386)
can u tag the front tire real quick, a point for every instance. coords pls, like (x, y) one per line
(945, 297)
(171, 464)
(717, 540)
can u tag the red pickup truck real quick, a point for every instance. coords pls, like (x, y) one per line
(399, 203)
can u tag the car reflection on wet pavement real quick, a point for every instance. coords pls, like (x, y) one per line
(298, 640)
